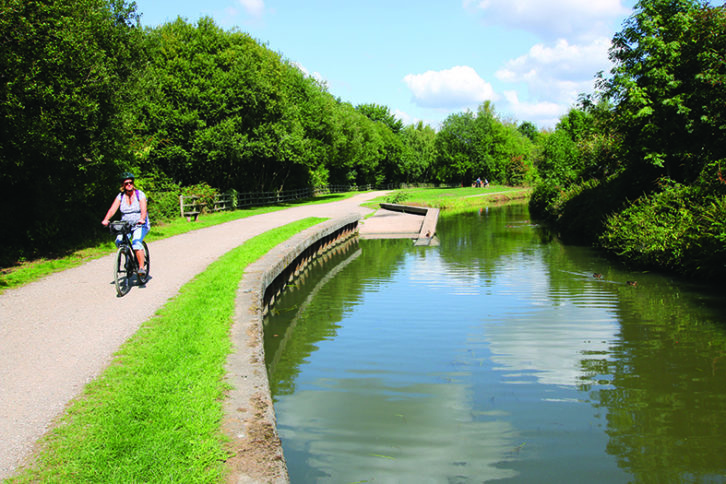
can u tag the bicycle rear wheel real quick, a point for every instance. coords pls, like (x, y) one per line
(147, 264)
(122, 271)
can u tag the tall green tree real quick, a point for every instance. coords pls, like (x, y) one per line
(456, 149)
(419, 153)
(213, 107)
(667, 86)
(382, 114)
(481, 145)
(63, 125)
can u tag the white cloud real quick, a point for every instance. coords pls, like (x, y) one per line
(404, 117)
(315, 75)
(557, 73)
(458, 87)
(543, 113)
(559, 60)
(554, 18)
(253, 7)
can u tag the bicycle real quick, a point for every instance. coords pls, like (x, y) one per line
(125, 264)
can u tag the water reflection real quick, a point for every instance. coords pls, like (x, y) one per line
(496, 356)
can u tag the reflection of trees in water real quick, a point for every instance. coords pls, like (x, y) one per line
(310, 308)
(667, 402)
(479, 239)
(662, 382)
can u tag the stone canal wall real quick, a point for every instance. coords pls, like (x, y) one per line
(250, 418)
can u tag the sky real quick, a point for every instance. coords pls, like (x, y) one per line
(427, 59)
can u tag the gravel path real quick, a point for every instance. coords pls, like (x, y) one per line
(59, 333)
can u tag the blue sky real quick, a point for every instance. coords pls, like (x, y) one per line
(426, 59)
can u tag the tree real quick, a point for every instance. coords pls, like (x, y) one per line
(456, 149)
(667, 85)
(222, 109)
(63, 123)
(470, 146)
(376, 112)
(529, 130)
(419, 152)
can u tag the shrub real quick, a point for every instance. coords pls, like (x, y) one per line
(517, 170)
(544, 200)
(205, 193)
(162, 195)
(398, 196)
(675, 229)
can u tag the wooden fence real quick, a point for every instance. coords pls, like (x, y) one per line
(191, 206)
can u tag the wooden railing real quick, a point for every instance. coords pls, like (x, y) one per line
(224, 201)
(190, 206)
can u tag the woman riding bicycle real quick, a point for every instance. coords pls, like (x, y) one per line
(132, 203)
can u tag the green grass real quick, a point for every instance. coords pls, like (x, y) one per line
(26, 272)
(455, 199)
(155, 413)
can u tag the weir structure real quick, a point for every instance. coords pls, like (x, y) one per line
(250, 424)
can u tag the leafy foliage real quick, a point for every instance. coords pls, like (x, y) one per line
(480, 145)
(657, 137)
(65, 76)
(86, 94)
(668, 86)
(675, 229)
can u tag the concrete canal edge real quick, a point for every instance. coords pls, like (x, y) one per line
(249, 422)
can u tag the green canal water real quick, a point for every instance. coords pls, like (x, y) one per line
(497, 356)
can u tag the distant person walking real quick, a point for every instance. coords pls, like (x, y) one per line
(132, 203)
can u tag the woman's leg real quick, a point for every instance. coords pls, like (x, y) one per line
(137, 236)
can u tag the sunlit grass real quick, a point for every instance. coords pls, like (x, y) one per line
(454, 200)
(155, 413)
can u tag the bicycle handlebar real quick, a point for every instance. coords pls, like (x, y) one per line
(122, 227)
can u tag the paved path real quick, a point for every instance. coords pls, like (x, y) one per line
(59, 333)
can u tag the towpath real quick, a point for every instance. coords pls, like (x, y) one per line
(59, 333)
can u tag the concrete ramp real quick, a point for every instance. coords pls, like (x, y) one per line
(395, 221)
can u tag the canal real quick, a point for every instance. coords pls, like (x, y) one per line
(501, 355)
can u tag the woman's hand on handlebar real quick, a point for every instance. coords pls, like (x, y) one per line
(105, 222)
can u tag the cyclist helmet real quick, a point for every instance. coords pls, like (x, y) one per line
(127, 175)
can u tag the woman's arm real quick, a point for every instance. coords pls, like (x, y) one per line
(114, 206)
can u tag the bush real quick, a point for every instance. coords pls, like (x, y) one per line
(544, 200)
(675, 229)
(205, 193)
(163, 197)
(398, 197)
(517, 171)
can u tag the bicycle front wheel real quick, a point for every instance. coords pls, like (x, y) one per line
(122, 271)
(147, 264)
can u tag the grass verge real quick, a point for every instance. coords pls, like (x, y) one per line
(155, 413)
(454, 200)
(26, 272)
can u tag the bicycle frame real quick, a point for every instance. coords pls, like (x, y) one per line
(125, 264)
